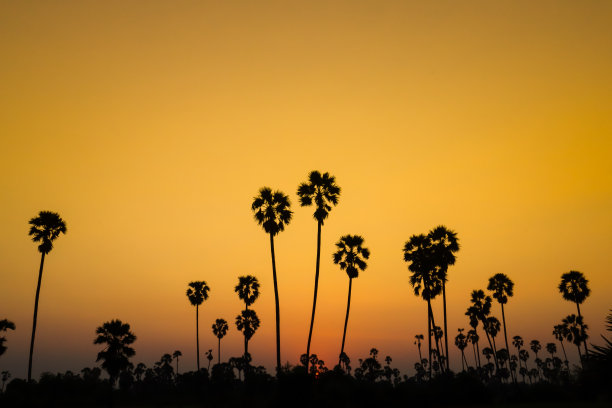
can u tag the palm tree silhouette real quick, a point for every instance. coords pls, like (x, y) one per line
(220, 328)
(351, 256)
(473, 338)
(247, 289)
(424, 280)
(323, 191)
(247, 322)
(44, 229)
(575, 331)
(517, 341)
(479, 312)
(574, 287)
(559, 331)
(444, 244)
(492, 327)
(461, 343)
(116, 355)
(4, 326)
(502, 288)
(209, 357)
(176, 355)
(418, 338)
(271, 210)
(197, 293)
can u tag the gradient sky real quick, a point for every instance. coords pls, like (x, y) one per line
(149, 126)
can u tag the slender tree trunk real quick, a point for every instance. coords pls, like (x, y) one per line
(278, 350)
(40, 271)
(506, 339)
(478, 352)
(492, 348)
(474, 350)
(433, 323)
(198, 336)
(580, 355)
(565, 355)
(462, 360)
(219, 351)
(586, 350)
(429, 334)
(177, 372)
(348, 308)
(420, 356)
(316, 287)
(445, 326)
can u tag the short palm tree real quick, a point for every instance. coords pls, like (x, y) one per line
(4, 326)
(473, 338)
(115, 357)
(424, 280)
(417, 340)
(479, 312)
(574, 287)
(517, 341)
(575, 331)
(272, 212)
(247, 289)
(351, 256)
(220, 328)
(461, 343)
(502, 288)
(444, 244)
(323, 191)
(559, 331)
(247, 322)
(176, 355)
(44, 229)
(197, 293)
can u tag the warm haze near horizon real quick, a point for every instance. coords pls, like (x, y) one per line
(149, 126)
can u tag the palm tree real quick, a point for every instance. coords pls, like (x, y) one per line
(140, 370)
(273, 214)
(473, 338)
(4, 326)
(461, 343)
(220, 329)
(209, 357)
(44, 229)
(418, 251)
(444, 244)
(247, 289)
(552, 349)
(517, 341)
(323, 191)
(575, 331)
(502, 288)
(574, 287)
(116, 355)
(559, 331)
(197, 293)
(492, 327)
(176, 355)
(418, 338)
(479, 312)
(247, 322)
(351, 256)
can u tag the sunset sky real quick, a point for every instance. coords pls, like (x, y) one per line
(151, 125)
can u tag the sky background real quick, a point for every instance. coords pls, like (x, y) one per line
(150, 126)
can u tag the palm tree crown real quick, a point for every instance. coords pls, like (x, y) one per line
(444, 244)
(4, 326)
(501, 286)
(117, 337)
(351, 254)
(418, 251)
(220, 328)
(197, 292)
(247, 322)
(272, 210)
(322, 190)
(247, 289)
(45, 229)
(574, 287)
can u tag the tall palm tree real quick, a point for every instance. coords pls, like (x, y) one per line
(219, 328)
(323, 191)
(424, 280)
(4, 326)
(478, 312)
(351, 256)
(444, 244)
(502, 288)
(574, 287)
(272, 212)
(575, 331)
(247, 289)
(559, 331)
(44, 229)
(176, 355)
(116, 355)
(247, 322)
(197, 293)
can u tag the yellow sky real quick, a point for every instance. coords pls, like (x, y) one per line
(149, 126)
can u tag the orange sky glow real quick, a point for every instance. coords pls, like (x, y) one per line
(150, 126)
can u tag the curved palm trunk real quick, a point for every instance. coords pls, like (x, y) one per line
(429, 335)
(198, 337)
(474, 350)
(433, 323)
(580, 355)
(586, 350)
(506, 339)
(565, 355)
(445, 327)
(348, 308)
(278, 352)
(314, 301)
(40, 271)
(478, 352)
